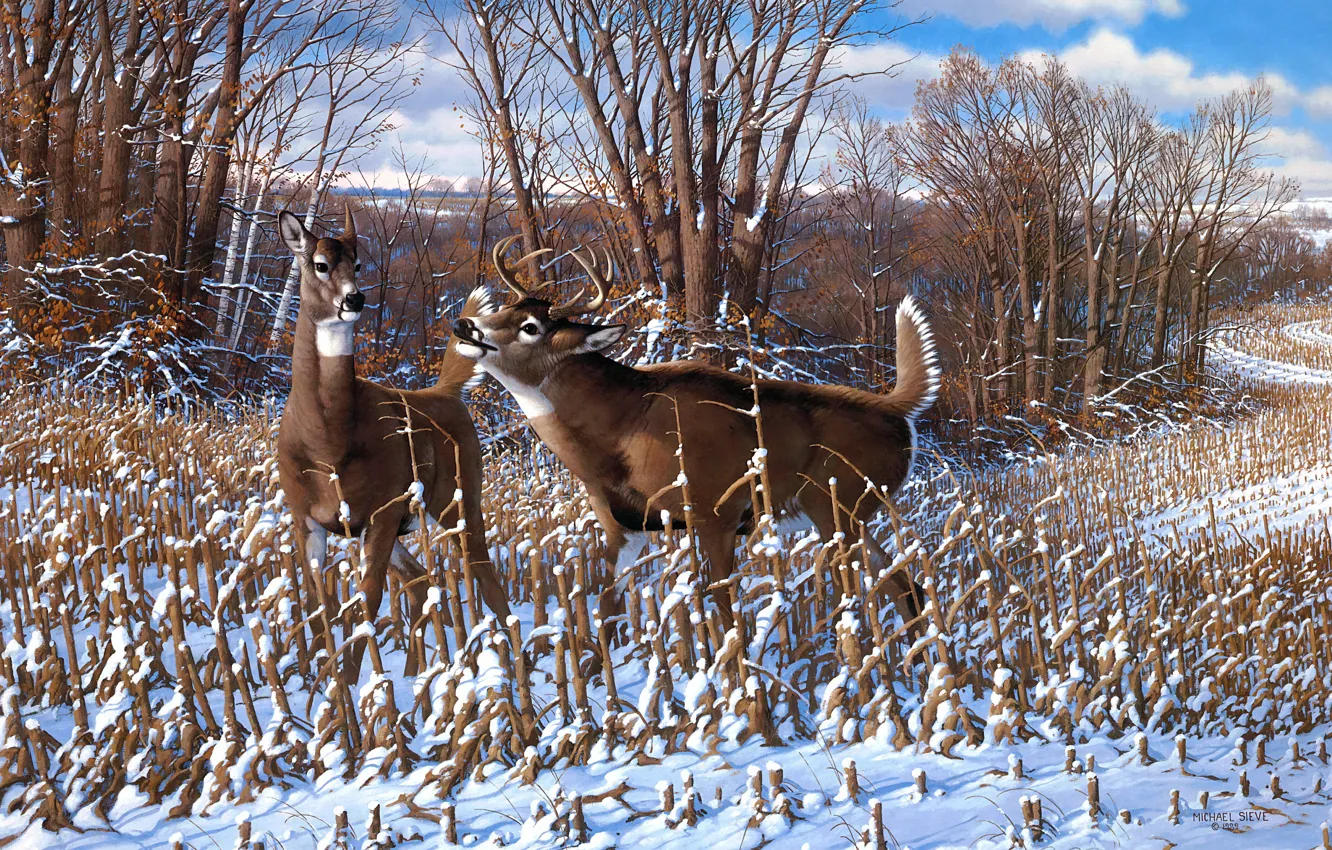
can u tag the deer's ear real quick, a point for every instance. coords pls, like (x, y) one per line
(349, 231)
(293, 231)
(603, 337)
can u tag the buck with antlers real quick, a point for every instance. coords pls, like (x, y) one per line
(616, 428)
(337, 423)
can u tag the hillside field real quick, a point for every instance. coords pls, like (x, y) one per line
(1126, 645)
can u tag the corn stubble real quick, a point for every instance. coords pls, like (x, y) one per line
(152, 596)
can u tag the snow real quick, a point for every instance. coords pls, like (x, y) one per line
(1298, 499)
(975, 794)
(752, 223)
(968, 799)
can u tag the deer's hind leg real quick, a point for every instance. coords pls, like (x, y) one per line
(716, 542)
(414, 580)
(907, 594)
(477, 553)
(850, 521)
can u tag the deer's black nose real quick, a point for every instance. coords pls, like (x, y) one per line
(354, 303)
(467, 331)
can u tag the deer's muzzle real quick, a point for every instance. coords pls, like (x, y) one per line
(353, 303)
(467, 331)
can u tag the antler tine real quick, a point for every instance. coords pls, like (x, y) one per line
(537, 253)
(505, 271)
(566, 309)
(502, 268)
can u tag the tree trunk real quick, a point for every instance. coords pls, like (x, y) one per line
(1054, 297)
(217, 158)
(1125, 320)
(24, 241)
(1030, 337)
(702, 278)
(64, 127)
(751, 227)
(233, 245)
(1162, 305)
(167, 209)
(113, 181)
(1091, 369)
(243, 296)
(665, 238)
(1096, 358)
(1001, 378)
(509, 142)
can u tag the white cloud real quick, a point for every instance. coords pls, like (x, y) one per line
(1314, 174)
(895, 92)
(1319, 101)
(1293, 144)
(1299, 154)
(1163, 77)
(438, 143)
(1054, 15)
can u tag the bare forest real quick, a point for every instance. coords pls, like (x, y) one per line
(1068, 238)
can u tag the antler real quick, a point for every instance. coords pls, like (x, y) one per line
(598, 278)
(503, 269)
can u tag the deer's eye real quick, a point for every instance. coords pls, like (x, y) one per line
(322, 268)
(358, 268)
(531, 328)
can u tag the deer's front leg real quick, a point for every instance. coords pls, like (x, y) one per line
(312, 549)
(609, 603)
(717, 544)
(376, 552)
(623, 549)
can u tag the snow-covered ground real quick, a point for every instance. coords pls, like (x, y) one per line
(1299, 499)
(1017, 783)
(974, 801)
(1229, 356)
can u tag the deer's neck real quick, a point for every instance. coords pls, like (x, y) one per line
(323, 384)
(592, 382)
(589, 406)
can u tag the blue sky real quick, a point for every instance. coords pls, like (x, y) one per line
(1171, 52)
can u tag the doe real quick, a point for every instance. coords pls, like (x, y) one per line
(335, 422)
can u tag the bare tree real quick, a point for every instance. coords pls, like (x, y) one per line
(864, 188)
(38, 42)
(698, 112)
(1237, 196)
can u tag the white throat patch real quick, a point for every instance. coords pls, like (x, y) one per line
(533, 402)
(334, 338)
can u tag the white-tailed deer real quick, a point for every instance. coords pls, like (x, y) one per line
(616, 428)
(335, 422)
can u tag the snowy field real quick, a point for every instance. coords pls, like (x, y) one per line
(1125, 646)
